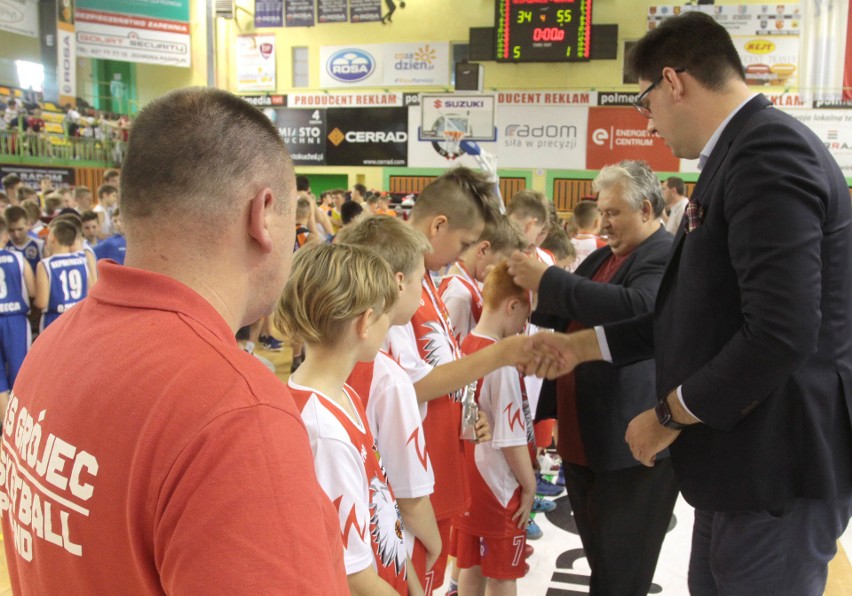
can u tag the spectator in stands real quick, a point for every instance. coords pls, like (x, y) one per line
(587, 218)
(71, 122)
(674, 192)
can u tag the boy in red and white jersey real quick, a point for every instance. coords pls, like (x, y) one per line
(491, 535)
(461, 287)
(587, 218)
(388, 393)
(337, 301)
(451, 213)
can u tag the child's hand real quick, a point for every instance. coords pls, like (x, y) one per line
(483, 429)
(522, 515)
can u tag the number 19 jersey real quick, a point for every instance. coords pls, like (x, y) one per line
(68, 279)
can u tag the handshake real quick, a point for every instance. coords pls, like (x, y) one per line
(551, 355)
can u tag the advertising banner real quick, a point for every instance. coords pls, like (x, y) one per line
(526, 97)
(32, 175)
(344, 100)
(385, 65)
(129, 38)
(365, 11)
(615, 134)
(357, 137)
(542, 137)
(300, 13)
(268, 13)
(170, 10)
(834, 128)
(66, 53)
(255, 63)
(303, 132)
(331, 11)
(19, 16)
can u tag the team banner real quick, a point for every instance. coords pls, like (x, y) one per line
(331, 11)
(303, 132)
(380, 65)
(268, 13)
(615, 134)
(358, 137)
(365, 11)
(19, 16)
(66, 53)
(255, 63)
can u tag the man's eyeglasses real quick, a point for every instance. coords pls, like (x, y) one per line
(639, 103)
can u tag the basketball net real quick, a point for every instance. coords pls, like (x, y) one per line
(451, 141)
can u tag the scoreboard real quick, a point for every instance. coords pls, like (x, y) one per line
(543, 30)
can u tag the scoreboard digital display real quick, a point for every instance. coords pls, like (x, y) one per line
(543, 30)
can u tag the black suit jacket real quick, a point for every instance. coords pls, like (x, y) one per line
(608, 397)
(754, 319)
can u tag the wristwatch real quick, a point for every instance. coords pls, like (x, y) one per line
(664, 416)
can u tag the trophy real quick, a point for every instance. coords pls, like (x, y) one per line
(470, 412)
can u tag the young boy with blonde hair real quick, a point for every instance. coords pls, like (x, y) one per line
(388, 393)
(337, 302)
(451, 213)
(461, 287)
(490, 536)
(527, 209)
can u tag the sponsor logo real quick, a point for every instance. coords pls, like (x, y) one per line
(760, 46)
(600, 136)
(67, 65)
(423, 59)
(550, 131)
(264, 100)
(458, 103)
(10, 15)
(266, 49)
(350, 65)
(132, 40)
(337, 136)
(617, 99)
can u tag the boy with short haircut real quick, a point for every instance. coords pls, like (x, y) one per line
(62, 279)
(490, 536)
(587, 218)
(17, 224)
(11, 184)
(337, 302)
(83, 198)
(90, 228)
(31, 206)
(461, 287)
(528, 210)
(560, 246)
(115, 246)
(304, 233)
(26, 193)
(15, 333)
(106, 207)
(389, 395)
(451, 212)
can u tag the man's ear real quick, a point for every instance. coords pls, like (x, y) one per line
(259, 205)
(438, 222)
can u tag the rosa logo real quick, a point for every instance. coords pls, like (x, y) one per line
(760, 46)
(350, 65)
(600, 136)
(9, 14)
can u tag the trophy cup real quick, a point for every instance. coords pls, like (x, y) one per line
(470, 412)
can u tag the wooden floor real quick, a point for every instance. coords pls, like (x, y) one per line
(839, 570)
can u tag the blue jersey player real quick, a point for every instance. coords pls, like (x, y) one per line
(17, 226)
(16, 286)
(63, 278)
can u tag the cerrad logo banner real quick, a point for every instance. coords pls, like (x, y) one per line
(375, 137)
(622, 133)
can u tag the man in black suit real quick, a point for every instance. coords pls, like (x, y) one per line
(752, 329)
(622, 509)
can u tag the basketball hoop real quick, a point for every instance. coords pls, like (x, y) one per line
(450, 144)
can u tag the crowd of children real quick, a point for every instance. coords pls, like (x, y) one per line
(422, 432)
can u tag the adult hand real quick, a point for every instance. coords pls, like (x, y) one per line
(556, 354)
(526, 270)
(647, 437)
